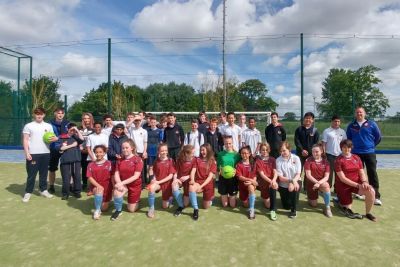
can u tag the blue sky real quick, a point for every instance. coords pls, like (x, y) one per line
(162, 41)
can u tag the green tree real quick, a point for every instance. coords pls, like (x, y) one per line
(125, 99)
(172, 97)
(253, 95)
(343, 89)
(5, 99)
(44, 93)
(290, 116)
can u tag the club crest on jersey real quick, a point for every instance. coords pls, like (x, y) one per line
(279, 132)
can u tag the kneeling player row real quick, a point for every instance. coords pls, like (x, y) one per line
(196, 175)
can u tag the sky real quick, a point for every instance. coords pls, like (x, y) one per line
(181, 41)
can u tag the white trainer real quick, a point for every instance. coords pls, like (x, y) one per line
(360, 197)
(26, 197)
(378, 202)
(96, 215)
(46, 194)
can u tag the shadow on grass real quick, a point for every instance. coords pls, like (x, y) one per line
(18, 189)
(86, 205)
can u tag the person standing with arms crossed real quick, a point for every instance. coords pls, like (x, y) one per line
(331, 138)
(174, 136)
(365, 135)
(305, 137)
(275, 134)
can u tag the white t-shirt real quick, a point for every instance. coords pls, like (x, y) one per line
(251, 137)
(107, 130)
(288, 168)
(96, 139)
(234, 131)
(139, 136)
(36, 131)
(194, 141)
(221, 126)
(332, 137)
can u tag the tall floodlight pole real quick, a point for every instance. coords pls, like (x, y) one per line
(109, 77)
(223, 54)
(301, 76)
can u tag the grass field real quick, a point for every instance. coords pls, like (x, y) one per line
(58, 233)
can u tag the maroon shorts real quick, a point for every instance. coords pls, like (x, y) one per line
(108, 188)
(344, 193)
(208, 190)
(134, 190)
(243, 192)
(311, 193)
(166, 190)
(263, 186)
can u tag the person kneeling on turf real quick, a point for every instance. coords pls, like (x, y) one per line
(201, 179)
(317, 172)
(164, 171)
(352, 179)
(267, 179)
(184, 166)
(245, 171)
(99, 176)
(127, 179)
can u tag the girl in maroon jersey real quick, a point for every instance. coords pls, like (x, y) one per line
(352, 179)
(99, 176)
(184, 165)
(267, 176)
(317, 170)
(201, 179)
(245, 171)
(164, 171)
(127, 179)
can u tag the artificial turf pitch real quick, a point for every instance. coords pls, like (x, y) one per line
(52, 232)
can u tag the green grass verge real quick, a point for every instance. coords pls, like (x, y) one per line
(59, 233)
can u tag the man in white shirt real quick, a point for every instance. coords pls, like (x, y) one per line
(97, 138)
(108, 124)
(222, 121)
(252, 137)
(232, 130)
(242, 122)
(331, 138)
(139, 136)
(37, 153)
(194, 138)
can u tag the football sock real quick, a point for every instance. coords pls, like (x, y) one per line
(272, 199)
(193, 200)
(178, 197)
(152, 198)
(118, 203)
(327, 198)
(252, 200)
(98, 199)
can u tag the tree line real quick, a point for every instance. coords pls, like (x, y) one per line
(341, 91)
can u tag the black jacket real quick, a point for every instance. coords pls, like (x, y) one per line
(215, 140)
(114, 146)
(274, 136)
(72, 154)
(174, 137)
(304, 139)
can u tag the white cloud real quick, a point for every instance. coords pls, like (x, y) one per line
(78, 65)
(279, 89)
(37, 21)
(274, 61)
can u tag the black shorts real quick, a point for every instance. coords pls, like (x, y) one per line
(54, 160)
(227, 186)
